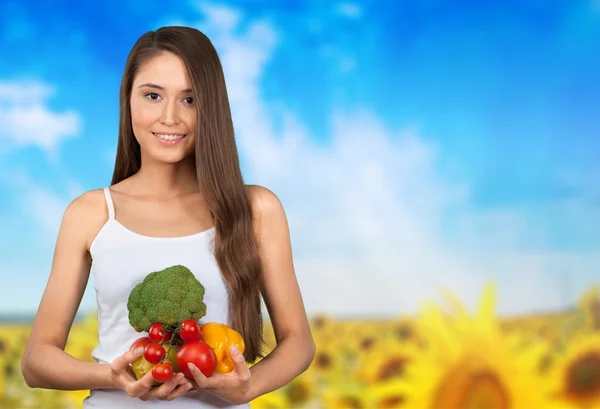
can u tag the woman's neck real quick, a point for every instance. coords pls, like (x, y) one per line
(166, 179)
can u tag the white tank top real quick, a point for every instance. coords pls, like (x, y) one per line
(121, 259)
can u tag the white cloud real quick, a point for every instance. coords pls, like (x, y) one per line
(29, 262)
(47, 209)
(350, 10)
(27, 121)
(24, 92)
(221, 18)
(366, 222)
(366, 208)
(43, 205)
(346, 63)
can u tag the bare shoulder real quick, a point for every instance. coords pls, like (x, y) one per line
(265, 204)
(86, 205)
(88, 212)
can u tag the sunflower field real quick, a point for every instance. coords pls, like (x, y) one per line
(445, 357)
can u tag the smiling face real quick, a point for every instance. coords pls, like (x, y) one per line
(163, 111)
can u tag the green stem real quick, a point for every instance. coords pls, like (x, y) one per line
(174, 331)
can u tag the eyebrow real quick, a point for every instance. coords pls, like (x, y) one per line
(150, 85)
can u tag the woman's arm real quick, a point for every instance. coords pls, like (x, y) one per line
(295, 347)
(45, 364)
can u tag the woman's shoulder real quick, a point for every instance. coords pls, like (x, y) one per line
(87, 203)
(95, 200)
(262, 199)
(264, 202)
(88, 211)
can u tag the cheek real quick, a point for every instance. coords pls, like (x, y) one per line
(141, 117)
(191, 122)
(188, 116)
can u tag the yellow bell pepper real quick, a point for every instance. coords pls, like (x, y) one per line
(220, 337)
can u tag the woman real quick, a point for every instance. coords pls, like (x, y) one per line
(177, 197)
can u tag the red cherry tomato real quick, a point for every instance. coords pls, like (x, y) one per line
(156, 333)
(198, 353)
(190, 331)
(162, 372)
(167, 335)
(154, 353)
(140, 342)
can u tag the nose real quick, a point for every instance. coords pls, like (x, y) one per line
(169, 114)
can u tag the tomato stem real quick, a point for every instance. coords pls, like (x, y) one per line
(170, 344)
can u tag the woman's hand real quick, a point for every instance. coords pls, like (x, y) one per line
(232, 387)
(123, 379)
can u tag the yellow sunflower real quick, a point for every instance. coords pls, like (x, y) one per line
(301, 390)
(331, 359)
(344, 395)
(324, 326)
(590, 304)
(358, 345)
(386, 362)
(547, 360)
(353, 330)
(272, 400)
(364, 343)
(576, 373)
(15, 392)
(404, 330)
(387, 395)
(469, 364)
(3, 355)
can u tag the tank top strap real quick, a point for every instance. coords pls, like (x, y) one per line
(109, 203)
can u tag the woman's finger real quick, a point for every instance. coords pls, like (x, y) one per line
(121, 363)
(141, 387)
(240, 363)
(201, 380)
(180, 390)
(163, 390)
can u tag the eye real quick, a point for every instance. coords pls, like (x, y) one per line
(152, 95)
(189, 100)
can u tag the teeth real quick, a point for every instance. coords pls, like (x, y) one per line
(169, 137)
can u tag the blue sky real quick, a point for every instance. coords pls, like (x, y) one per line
(425, 143)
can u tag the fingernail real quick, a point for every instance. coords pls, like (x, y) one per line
(233, 350)
(138, 350)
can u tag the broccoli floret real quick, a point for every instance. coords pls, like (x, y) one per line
(168, 296)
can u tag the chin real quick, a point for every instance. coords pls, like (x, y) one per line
(169, 157)
(168, 154)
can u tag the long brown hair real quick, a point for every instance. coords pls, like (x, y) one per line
(217, 168)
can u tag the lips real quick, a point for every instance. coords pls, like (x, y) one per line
(169, 138)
